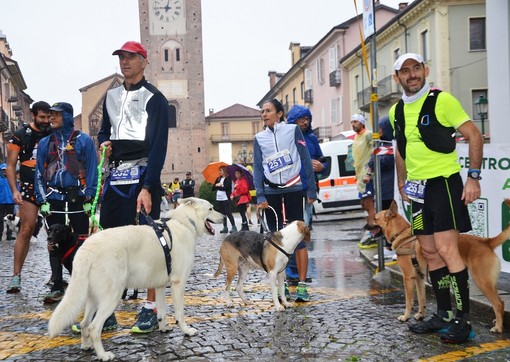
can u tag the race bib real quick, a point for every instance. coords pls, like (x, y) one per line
(415, 190)
(279, 162)
(125, 176)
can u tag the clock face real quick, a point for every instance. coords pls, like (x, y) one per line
(167, 10)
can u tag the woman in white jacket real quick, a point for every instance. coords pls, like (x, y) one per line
(280, 153)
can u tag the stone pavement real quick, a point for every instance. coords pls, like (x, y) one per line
(350, 317)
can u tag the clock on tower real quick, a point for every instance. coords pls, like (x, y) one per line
(167, 17)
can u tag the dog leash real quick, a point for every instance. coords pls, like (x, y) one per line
(98, 191)
(158, 229)
(267, 237)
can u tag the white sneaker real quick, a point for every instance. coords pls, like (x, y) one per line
(394, 258)
(388, 254)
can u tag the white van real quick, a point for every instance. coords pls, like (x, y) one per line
(337, 185)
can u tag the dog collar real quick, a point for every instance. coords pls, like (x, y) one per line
(397, 235)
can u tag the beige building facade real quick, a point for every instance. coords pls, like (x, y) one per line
(14, 102)
(449, 34)
(230, 133)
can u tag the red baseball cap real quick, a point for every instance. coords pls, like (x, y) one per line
(132, 47)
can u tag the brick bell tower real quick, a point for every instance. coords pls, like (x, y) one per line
(171, 30)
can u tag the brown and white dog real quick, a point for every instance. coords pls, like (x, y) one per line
(246, 250)
(476, 252)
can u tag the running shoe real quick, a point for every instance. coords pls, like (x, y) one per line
(15, 284)
(459, 331)
(54, 296)
(437, 322)
(147, 321)
(302, 293)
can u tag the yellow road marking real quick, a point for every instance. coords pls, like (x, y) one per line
(13, 344)
(469, 352)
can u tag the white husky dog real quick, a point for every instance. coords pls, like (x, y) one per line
(132, 257)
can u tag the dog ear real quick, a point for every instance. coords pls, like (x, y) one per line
(392, 210)
(305, 231)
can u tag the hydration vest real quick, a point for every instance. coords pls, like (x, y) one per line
(72, 165)
(434, 135)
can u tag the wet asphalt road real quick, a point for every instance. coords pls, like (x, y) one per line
(351, 317)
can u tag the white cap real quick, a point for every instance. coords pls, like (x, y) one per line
(401, 59)
(358, 117)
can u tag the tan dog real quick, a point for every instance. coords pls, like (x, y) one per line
(247, 250)
(476, 252)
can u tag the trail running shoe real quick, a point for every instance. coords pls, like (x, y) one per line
(367, 241)
(147, 321)
(15, 284)
(459, 331)
(110, 324)
(437, 322)
(302, 293)
(54, 297)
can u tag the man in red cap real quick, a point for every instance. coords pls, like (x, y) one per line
(134, 132)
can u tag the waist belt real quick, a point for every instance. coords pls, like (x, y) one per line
(127, 164)
(289, 183)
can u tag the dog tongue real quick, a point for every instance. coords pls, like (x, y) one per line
(209, 228)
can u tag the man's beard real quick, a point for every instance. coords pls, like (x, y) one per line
(44, 128)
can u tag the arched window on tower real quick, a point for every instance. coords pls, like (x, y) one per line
(172, 116)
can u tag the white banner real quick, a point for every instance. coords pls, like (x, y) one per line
(489, 214)
(368, 18)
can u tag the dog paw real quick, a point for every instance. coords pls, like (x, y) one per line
(106, 356)
(190, 331)
(164, 328)
(279, 308)
(419, 316)
(496, 329)
(403, 318)
(85, 347)
(287, 304)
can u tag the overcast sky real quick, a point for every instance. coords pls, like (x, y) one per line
(64, 45)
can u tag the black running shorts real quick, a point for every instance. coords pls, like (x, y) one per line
(442, 209)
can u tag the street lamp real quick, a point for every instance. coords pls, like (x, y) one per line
(243, 155)
(482, 108)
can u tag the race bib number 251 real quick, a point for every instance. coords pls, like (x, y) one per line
(279, 162)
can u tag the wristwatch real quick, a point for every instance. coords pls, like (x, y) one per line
(473, 173)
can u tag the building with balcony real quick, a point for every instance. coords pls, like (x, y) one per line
(317, 80)
(230, 133)
(451, 38)
(14, 102)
